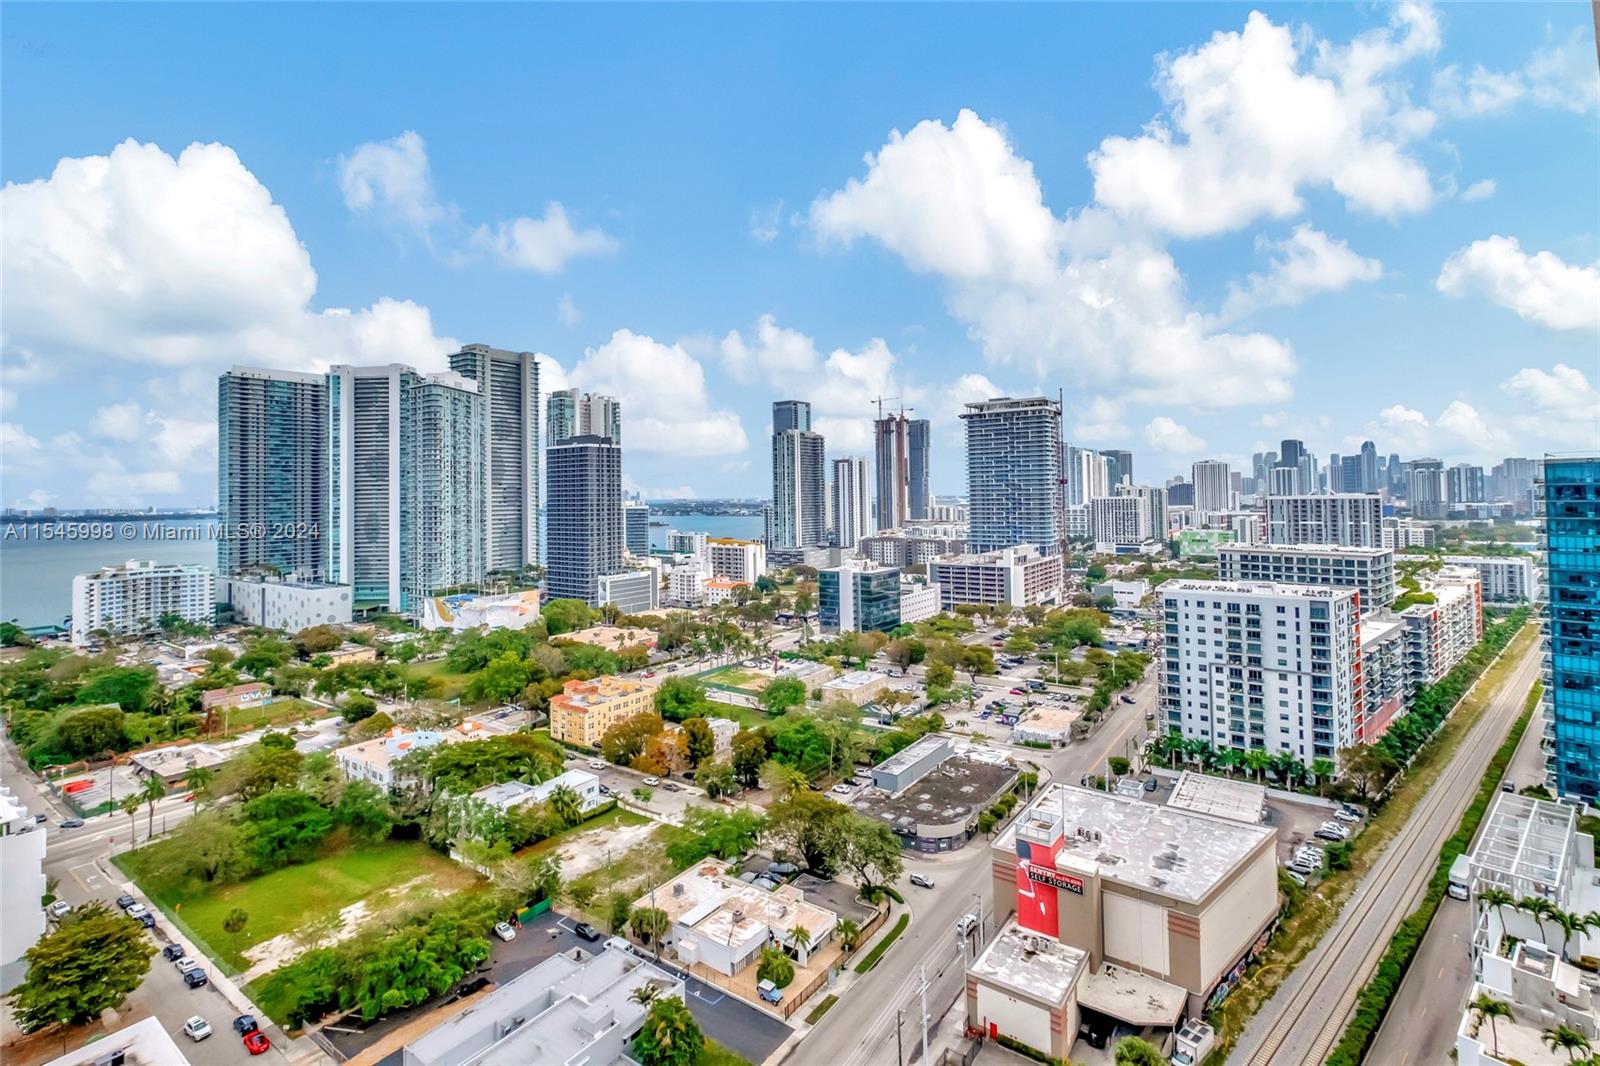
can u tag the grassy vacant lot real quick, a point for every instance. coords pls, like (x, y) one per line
(612, 819)
(276, 713)
(453, 684)
(297, 899)
(736, 677)
(1301, 932)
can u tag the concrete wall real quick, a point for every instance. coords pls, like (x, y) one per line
(1236, 917)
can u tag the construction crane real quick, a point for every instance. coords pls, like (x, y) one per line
(881, 400)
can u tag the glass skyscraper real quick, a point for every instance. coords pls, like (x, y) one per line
(587, 536)
(1569, 495)
(512, 453)
(799, 482)
(1014, 474)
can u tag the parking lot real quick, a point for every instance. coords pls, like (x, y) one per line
(723, 1017)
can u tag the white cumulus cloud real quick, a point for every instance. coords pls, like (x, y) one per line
(1255, 117)
(544, 245)
(665, 408)
(1166, 435)
(1479, 190)
(1558, 405)
(1304, 264)
(1090, 299)
(1561, 76)
(392, 181)
(1541, 288)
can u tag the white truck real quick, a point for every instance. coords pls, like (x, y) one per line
(1460, 886)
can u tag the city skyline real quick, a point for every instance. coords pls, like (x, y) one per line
(1438, 299)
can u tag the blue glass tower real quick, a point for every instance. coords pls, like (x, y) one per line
(1570, 495)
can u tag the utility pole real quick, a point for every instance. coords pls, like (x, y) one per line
(922, 978)
(899, 1052)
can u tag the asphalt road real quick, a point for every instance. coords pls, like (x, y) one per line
(1426, 1012)
(860, 1029)
(1303, 1020)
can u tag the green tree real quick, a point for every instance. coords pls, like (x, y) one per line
(129, 805)
(1322, 770)
(619, 908)
(501, 681)
(198, 781)
(625, 741)
(848, 932)
(1367, 768)
(365, 811)
(1133, 1051)
(568, 616)
(152, 792)
(649, 922)
(1120, 765)
(1565, 1038)
(315, 640)
(92, 731)
(129, 687)
(811, 827)
(670, 1037)
(235, 923)
(700, 742)
(870, 850)
(88, 964)
(776, 967)
(679, 699)
(565, 806)
(749, 754)
(782, 693)
(977, 659)
(358, 707)
(285, 826)
(716, 778)
(1487, 1008)
(940, 675)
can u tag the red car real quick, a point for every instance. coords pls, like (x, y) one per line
(256, 1042)
(1019, 692)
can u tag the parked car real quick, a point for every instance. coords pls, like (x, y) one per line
(172, 952)
(245, 1023)
(1332, 831)
(504, 931)
(1126, 699)
(72, 823)
(59, 909)
(842, 789)
(136, 910)
(769, 991)
(197, 1028)
(586, 931)
(125, 902)
(782, 869)
(256, 1042)
(652, 781)
(1151, 784)
(147, 920)
(1296, 876)
(922, 880)
(1508, 786)
(185, 964)
(195, 978)
(1346, 815)
(670, 786)
(966, 924)
(1149, 716)
(597, 764)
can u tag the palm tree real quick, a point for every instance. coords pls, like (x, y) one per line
(645, 994)
(1539, 908)
(1569, 923)
(1498, 899)
(1256, 761)
(1322, 770)
(1486, 1006)
(152, 791)
(1563, 1038)
(565, 805)
(849, 933)
(800, 938)
(130, 807)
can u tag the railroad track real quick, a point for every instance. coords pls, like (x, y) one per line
(1352, 963)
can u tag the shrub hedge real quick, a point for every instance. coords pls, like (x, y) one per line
(870, 959)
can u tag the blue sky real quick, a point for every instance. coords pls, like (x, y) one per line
(1209, 226)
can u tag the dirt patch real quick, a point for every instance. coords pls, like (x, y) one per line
(590, 850)
(284, 948)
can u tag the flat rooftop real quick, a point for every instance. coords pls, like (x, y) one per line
(957, 788)
(1132, 997)
(1259, 588)
(1182, 854)
(909, 756)
(1240, 801)
(1031, 963)
(551, 1013)
(1302, 549)
(725, 909)
(857, 679)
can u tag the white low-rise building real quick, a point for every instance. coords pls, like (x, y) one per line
(1125, 595)
(286, 605)
(919, 600)
(511, 794)
(144, 1043)
(132, 598)
(686, 584)
(860, 687)
(722, 922)
(374, 760)
(736, 560)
